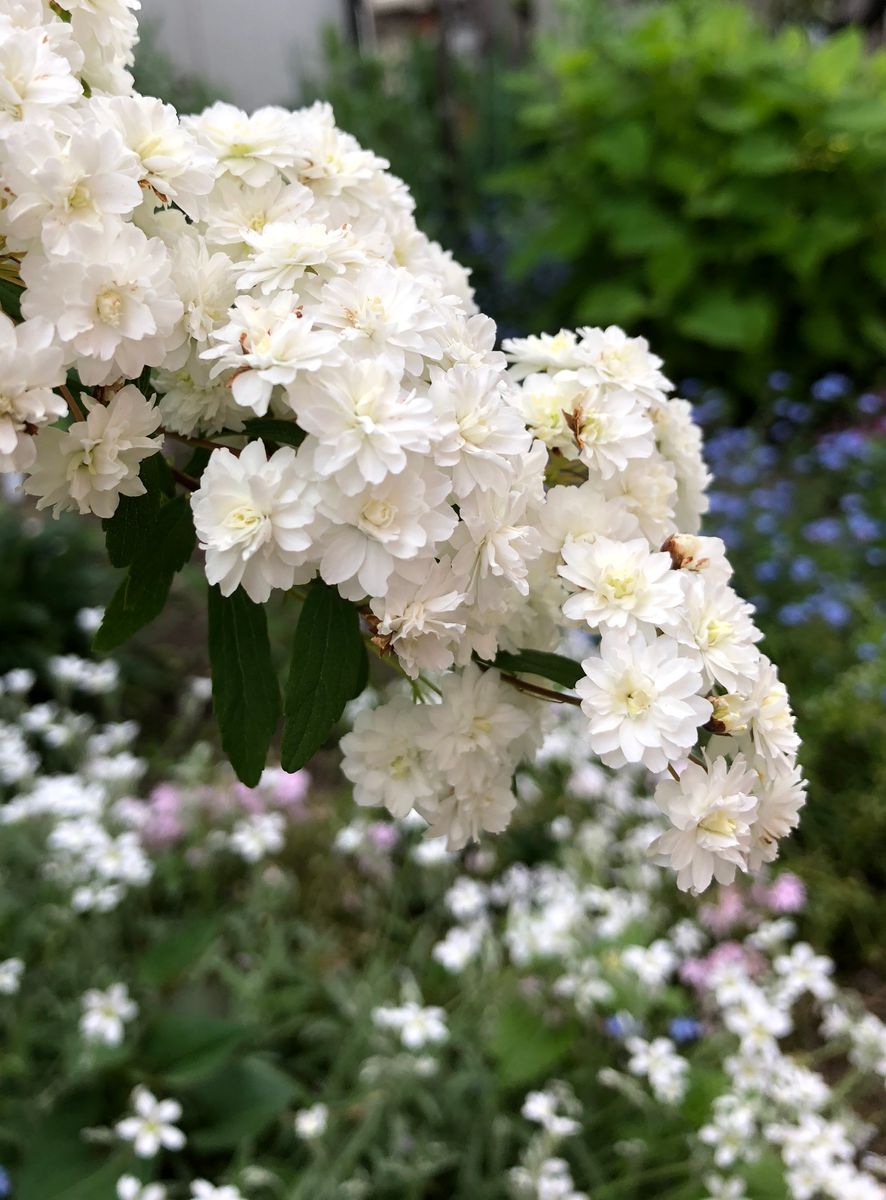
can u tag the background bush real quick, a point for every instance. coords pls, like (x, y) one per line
(676, 168)
(711, 185)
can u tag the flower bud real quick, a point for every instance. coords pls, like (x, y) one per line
(687, 551)
(729, 715)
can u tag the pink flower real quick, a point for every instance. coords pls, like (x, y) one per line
(288, 790)
(697, 971)
(787, 894)
(726, 913)
(164, 824)
(276, 789)
(383, 835)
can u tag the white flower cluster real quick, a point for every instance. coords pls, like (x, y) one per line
(543, 1175)
(267, 268)
(90, 851)
(588, 933)
(674, 655)
(411, 1036)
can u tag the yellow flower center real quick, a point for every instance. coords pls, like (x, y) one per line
(719, 823)
(637, 702)
(717, 632)
(621, 586)
(244, 518)
(109, 306)
(378, 514)
(79, 197)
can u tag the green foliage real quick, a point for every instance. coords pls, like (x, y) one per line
(264, 998)
(245, 693)
(164, 546)
(51, 570)
(278, 433)
(689, 175)
(525, 1050)
(11, 299)
(132, 525)
(555, 667)
(328, 668)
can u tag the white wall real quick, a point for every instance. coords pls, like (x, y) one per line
(253, 49)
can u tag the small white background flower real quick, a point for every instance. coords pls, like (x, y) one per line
(130, 1188)
(105, 1014)
(152, 1127)
(311, 1122)
(11, 971)
(202, 1189)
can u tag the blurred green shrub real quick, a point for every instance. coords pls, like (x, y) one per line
(51, 570)
(689, 175)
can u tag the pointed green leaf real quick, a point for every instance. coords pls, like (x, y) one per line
(131, 526)
(556, 667)
(142, 594)
(525, 1049)
(270, 429)
(183, 1047)
(245, 693)
(143, 383)
(238, 1103)
(328, 669)
(164, 961)
(11, 299)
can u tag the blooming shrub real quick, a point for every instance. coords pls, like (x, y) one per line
(557, 1023)
(255, 287)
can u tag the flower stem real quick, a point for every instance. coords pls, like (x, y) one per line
(198, 441)
(539, 692)
(186, 481)
(76, 411)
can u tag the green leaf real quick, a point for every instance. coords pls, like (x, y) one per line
(245, 692)
(239, 1102)
(198, 462)
(834, 62)
(727, 320)
(764, 154)
(185, 1047)
(624, 148)
(556, 667)
(524, 1048)
(11, 299)
(270, 429)
(74, 1170)
(730, 115)
(142, 594)
(69, 1178)
(131, 526)
(874, 329)
(328, 669)
(608, 303)
(165, 961)
(143, 383)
